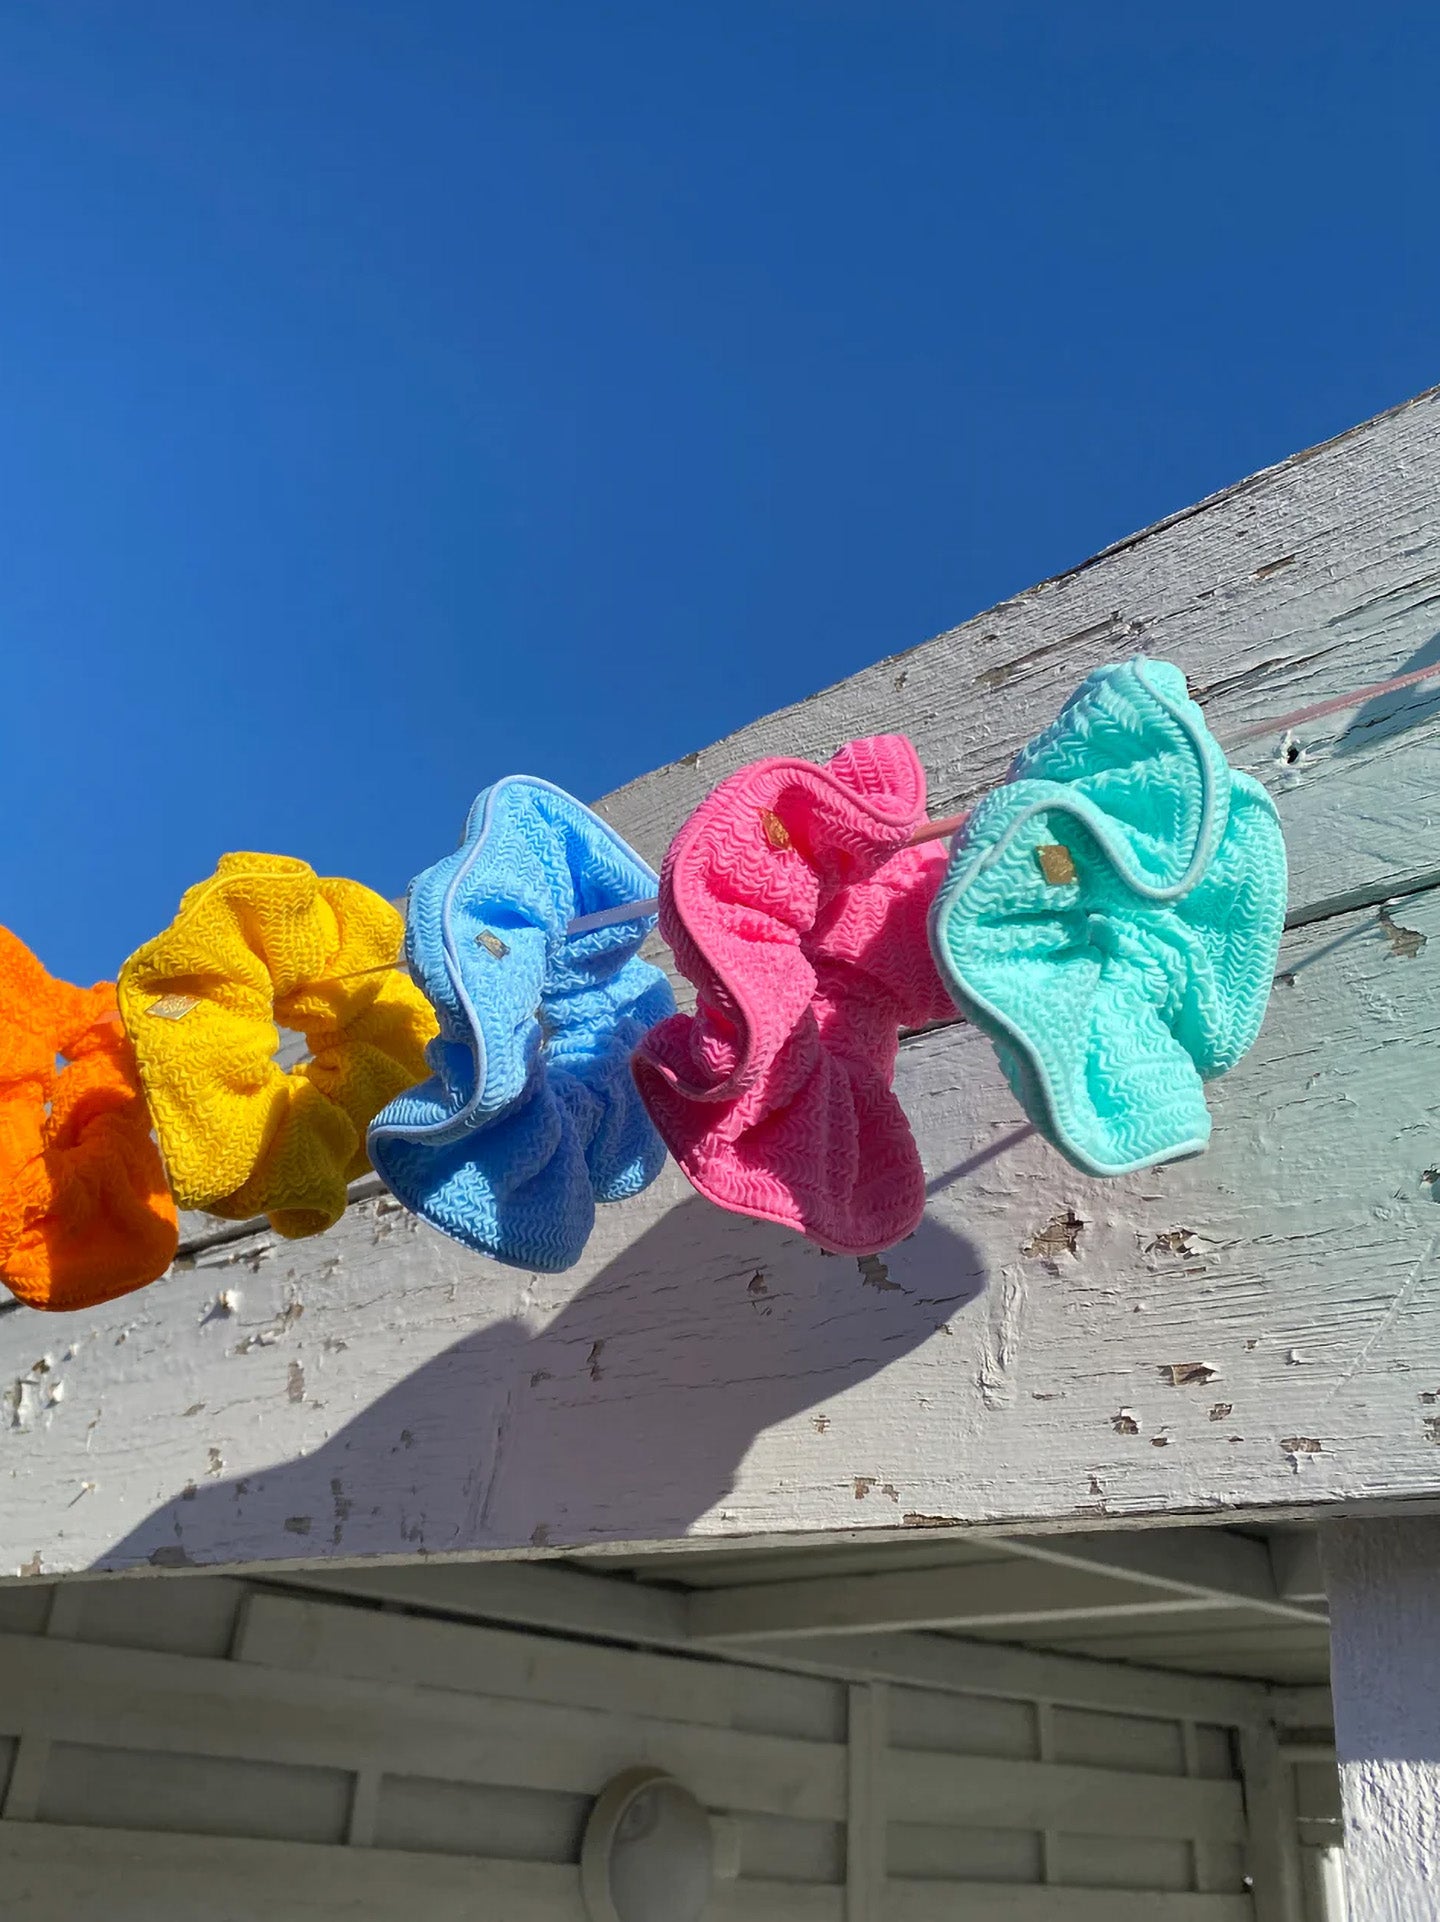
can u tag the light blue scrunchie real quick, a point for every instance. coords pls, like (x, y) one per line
(531, 1115)
(1112, 916)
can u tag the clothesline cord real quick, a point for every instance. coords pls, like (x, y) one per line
(951, 823)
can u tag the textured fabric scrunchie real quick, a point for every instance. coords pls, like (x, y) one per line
(85, 1214)
(793, 904)
(264, 941)
(531, 1116)
(1112, 918)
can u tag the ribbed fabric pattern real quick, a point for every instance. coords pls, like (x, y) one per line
(530, 1116)
(793, 905)
(85, 1214)
(1112, 996)
(264, 941)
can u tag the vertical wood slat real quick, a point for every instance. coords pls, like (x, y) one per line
(865, 1816)
(32, 1750)
(1273, 1846)
(1207, 1880)
(1045, 1751)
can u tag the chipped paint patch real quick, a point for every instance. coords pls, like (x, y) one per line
(1406, 944)
(1220, 1409)
(1124, 1422)
(1059, 1236)
(1174, 1241)
(874, 1273)
(295, 1382)
(280, 1326)
(863, 1485)
(1182, 1374)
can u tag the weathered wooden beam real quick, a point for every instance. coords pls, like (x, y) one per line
(1235, 1335)
(1012, 1595)
(1213, 1564)
(573, 1602)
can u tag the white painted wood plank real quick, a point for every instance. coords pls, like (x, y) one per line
(1381, 1576)
(988, 1669)
(1013, 1902)
(591, 1605)
(1274, 1835)
(990, 1791)
(1302, 1708)
(565, 1601)
(379, 1393)
(111, 1875)
(327, 1638)
(1214, 1563)
(865, 1811)
(994, 1595)
(497, 1412)
(175, 1704)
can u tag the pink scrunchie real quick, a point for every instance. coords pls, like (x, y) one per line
(792, 903)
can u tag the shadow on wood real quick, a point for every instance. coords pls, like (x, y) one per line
(530, 1436)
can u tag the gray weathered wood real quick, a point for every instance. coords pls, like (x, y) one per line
(1381, 1576)
(379, 1393)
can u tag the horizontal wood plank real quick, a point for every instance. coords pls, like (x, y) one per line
(177, 1705)
(993, 1792)
(327, 1639)
(114, 1875)
(1011, 1902)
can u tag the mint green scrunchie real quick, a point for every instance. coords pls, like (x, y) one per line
(1111, 917)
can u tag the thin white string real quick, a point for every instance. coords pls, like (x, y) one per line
(936, 830)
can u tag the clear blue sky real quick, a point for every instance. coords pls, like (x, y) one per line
(397, 395)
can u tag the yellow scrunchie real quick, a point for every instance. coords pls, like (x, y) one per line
(267, 940)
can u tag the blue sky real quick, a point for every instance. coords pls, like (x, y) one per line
(393, 396)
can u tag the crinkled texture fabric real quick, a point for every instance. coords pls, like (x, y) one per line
(530, 1116)
(1116, 989)
(267, 941)
(85, 1213)
(792, 903)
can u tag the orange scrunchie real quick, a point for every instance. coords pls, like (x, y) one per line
(85, 1212)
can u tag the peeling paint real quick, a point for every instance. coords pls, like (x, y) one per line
(295, 1382)
(913, 1519)
(1174, 1241)
(863, 1485)
(1220, 1409)
(281, 1325)
(1182, 1374)
(1405, 943)
(1059, 1236)
(874, 1273)
(1124, 1423)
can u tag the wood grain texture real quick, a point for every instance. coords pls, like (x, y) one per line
(380, 1393)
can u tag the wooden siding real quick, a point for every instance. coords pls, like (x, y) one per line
(208, 1749)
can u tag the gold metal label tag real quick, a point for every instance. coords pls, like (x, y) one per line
(776, 832)
(1057, 864)
(173, 1007)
